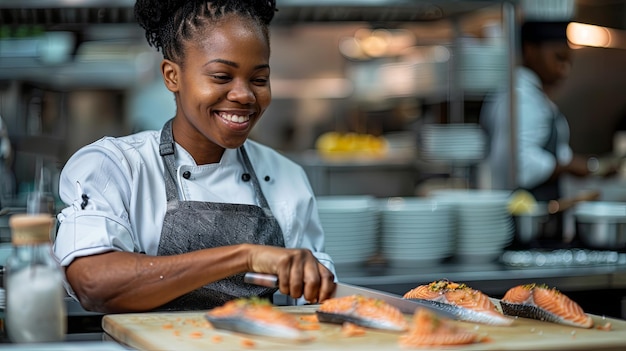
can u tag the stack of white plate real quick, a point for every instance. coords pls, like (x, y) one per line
(416, 231)
(351, 226)
(483, 67)
(457, 142)
(484, 225)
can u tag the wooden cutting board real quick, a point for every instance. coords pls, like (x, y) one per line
(190, 331)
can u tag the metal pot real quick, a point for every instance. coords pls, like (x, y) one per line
(529, 226)
(602, 224)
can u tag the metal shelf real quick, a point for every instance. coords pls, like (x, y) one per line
(72, 12)
(42, 4)
(377, 10)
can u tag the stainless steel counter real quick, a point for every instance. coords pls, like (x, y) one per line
(491, 278)
(598, 288)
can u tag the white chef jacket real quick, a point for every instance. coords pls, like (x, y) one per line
(123, 179)
(536, 115)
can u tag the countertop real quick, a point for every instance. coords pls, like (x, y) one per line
(490, 277)
(191, 331)
(493, 278)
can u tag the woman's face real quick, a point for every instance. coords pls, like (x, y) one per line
(222, 86)
(551, 61)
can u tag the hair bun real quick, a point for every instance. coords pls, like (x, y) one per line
(155, 16)
(151, 14)
(266, 9)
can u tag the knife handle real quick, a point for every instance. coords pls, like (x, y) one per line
(262, 279)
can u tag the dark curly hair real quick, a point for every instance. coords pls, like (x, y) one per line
(168, 23)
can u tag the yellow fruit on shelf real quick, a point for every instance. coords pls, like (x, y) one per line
(350, 144)
(522, 202)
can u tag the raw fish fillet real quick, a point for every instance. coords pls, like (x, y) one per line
(255, 316)
(466, 303)
(428, 329)
(544, 303)
(363, 311)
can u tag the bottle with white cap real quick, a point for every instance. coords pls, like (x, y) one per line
(35, 306)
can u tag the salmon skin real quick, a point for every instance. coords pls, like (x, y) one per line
(363, 311)
(465, 303)
(428, 329)
(544, 303)
(257, 317)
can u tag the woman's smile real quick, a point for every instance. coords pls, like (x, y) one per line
(239, 121)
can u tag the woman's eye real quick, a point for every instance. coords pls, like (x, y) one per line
(260, 81)
(223, 78)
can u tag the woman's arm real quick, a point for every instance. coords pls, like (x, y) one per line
(123, 281)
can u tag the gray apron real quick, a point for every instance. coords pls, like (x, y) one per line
(550, 189)
(195, 225)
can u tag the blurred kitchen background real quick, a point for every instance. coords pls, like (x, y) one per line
(357, 86)
(374, 98)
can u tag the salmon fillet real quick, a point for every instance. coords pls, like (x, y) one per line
(427, 329)
(544, 303)
(470, 304)
(362, 311)
(255, 316)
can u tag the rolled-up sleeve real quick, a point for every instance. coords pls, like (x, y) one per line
(84, 233)
(94, 186)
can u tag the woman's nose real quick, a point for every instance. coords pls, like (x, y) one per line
(241, 92)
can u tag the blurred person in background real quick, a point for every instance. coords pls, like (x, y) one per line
(543, 152)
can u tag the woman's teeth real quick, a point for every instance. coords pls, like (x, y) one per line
(234, 118)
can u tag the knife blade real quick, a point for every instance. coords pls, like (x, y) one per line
(344, 289)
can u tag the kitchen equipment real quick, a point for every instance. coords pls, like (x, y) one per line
(350, 225)
(343, 289)
(484, 226)
(560, 205)
(35, 306)
(562, 258)
(416, 231)
(456, 143)
(530, 225)
(602, 224)
(189, 331)
(41, 200)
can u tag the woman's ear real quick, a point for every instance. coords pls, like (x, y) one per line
(170, 72)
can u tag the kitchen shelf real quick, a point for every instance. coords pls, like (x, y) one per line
(377, 10)
(65, 3)
(103, 75)
(64, 12)
(492, 278)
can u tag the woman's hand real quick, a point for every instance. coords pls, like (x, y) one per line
(299, 273)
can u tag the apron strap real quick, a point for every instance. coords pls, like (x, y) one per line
(166, 149)
(247, 165)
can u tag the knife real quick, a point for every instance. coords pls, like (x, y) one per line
(343, 289)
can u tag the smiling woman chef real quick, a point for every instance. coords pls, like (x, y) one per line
(171, 219)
